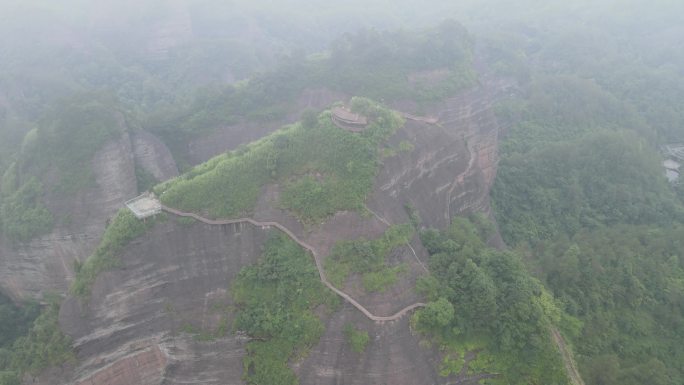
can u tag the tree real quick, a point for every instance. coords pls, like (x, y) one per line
(309, 118)
(9, 378)
(436, 315)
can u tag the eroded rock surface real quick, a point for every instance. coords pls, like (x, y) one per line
(45, 264)
(153, 156)
(178, 275)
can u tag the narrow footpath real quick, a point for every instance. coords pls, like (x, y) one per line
(316, 257)
(567, 356)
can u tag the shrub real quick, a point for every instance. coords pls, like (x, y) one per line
(276, 298)
(124, 228)
(368, 258)
(356, 338)
(24, 216)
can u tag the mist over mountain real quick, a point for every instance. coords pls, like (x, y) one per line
(371, 192)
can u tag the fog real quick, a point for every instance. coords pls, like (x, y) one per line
(151, 53)
(505, 173)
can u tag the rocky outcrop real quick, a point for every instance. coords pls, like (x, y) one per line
(452, 165)
(393, 355)
(143, 367)
(176, 275)
(45, 264)
(153, 156)
(179, 275)
(131, 328)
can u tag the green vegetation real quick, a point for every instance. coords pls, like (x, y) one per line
(601, 178)
(356, 338)
(23, 215)
(324, 169)
(580, 192)
(68, 139)
(124, 228)
(62, 146)
(406, 146)
(379, 281)
(626, 285)
(186, 221)
(276, 298)
(578, 167)
(484, 299)
(15, 320)
(368, 259)
(41, 346)
(144, 179)
(200, 334)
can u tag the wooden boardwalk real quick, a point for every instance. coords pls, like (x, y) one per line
(424, 119)
(316, 257)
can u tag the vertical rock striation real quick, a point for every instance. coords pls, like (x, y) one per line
(45, 264)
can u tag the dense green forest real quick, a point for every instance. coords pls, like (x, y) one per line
(601, 178)
(626, 284)
(580, 190)
(484, 300)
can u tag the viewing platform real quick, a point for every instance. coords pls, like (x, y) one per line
(347, 120)
(145, 205)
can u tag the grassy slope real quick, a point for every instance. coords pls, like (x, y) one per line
(323, 169)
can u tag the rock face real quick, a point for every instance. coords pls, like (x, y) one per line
(393, 355)
(153, 156)
(45, 264)
(131, 328)
(452, 165)
(177, 275)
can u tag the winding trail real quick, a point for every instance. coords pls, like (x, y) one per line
(567, 356)
(424, 119)
(316, 257)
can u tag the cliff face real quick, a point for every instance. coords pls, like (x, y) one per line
(131, 328)
(152, 155)
(176, 275)
(453, 164)
(45, 264)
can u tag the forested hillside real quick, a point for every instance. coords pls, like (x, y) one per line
(580, 188)
(485, 303)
